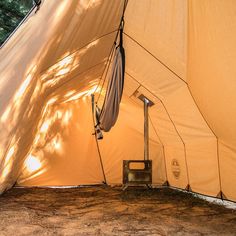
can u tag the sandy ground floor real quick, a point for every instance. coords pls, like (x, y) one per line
(111, 211)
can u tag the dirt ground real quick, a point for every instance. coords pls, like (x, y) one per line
(111, 211)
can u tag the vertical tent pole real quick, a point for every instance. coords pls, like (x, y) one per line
(146, 129)
(95, 135)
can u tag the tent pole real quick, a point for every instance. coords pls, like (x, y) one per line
(95, 135)
(146, 129)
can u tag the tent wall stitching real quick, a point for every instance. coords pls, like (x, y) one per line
(167, 67)
(135, 89)
(217, 142)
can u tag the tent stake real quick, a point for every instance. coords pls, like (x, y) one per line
(146, 129)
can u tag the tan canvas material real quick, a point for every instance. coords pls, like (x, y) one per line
(179, 53)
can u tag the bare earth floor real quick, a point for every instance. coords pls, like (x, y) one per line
(111, 211)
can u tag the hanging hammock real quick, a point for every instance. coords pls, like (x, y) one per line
(107, 117)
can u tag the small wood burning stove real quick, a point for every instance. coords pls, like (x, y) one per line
(136, 172)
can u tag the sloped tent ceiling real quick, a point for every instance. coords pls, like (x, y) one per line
(180, 54)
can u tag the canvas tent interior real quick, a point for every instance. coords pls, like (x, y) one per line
(179, 53)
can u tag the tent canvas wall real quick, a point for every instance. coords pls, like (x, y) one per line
(179, 53)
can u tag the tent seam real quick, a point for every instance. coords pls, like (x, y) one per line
(217, 140)
(190, 92)
(157, 59)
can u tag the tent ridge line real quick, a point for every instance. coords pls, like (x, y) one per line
(184, 145)
(161, 62)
